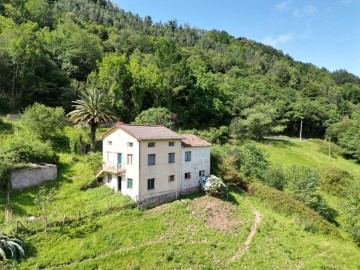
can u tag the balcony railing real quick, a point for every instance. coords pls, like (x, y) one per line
(119, 168)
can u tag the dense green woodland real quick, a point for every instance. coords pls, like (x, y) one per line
(53, 49)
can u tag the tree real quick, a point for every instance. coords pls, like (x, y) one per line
(155, 116)
(258, 121)
(92, 109)
(44, 121)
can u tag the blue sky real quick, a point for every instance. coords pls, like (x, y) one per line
(324, 33)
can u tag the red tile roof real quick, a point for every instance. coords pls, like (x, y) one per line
(191, 140)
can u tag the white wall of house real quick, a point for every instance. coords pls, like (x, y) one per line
(120, 142)
(200, 161)
(162, 170)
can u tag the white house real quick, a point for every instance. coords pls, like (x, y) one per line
(151, 163)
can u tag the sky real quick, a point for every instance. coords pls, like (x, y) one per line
(320, 32)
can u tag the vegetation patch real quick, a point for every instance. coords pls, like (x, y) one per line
(283, 203)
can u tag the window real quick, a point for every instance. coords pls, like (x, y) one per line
(151, 183)
(171, 178)
(151, 144)
(109, 143)
(130, 144)
(109, 178)
(202, 173)
(171, 143)
(151, 159)
(188, 175)
(171, 158)
(188, 156)
(129, 159)
(129, 183)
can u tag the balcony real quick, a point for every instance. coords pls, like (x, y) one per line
(117, 168)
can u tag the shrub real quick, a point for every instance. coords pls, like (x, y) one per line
(335, 181)
(275, 177)
(5, 171)
(44, 121)
(11, 247)
(303, 185)
(27, 151)
(253, 161)
(214, 186)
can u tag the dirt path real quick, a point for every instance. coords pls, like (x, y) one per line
(258, 218)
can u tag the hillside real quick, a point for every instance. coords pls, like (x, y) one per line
(234, 92)
(52, 50)
(195, 232)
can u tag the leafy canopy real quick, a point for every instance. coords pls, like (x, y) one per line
(44, 121)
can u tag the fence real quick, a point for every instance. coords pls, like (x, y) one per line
(42, 223)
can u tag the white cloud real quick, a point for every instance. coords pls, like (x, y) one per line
(308, 9)
(284, 5)
(273, 41)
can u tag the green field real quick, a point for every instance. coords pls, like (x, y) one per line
(196, 232)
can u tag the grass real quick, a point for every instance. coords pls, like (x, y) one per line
(197, 232)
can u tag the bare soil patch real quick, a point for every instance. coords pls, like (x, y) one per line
(216, 213)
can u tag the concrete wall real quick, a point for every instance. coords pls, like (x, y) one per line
(161, 170)
(200, 160)
(165, 198)
(33, 176)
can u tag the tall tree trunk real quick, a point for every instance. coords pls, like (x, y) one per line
(93, 137)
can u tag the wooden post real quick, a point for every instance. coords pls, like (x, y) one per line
(301, 124)
(329, 149)
(79, 214)
(17, 227)
(64, 219)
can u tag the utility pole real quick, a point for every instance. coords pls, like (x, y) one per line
(329, 149)
(300, 130)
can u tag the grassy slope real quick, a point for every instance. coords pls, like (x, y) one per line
(176, 235)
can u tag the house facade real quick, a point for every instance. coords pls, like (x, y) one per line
(151, 163)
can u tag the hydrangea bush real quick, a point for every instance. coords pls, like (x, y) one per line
(214, 186)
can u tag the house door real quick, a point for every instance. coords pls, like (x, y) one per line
(119, 182)
(120, 161)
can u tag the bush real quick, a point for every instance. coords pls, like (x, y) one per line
(44, 121)
(11, 247)
(335, 181)
(5, 174)
(275, 177)
(214, 186)
(27, 151)
(253, 161)
(303, 185)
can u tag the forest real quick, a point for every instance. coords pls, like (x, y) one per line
(51, 50)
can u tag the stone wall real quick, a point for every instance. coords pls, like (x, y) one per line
(33, 176)
(166, 198)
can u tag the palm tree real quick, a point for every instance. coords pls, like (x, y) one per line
(92, 109)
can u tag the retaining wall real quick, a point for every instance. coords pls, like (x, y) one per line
(166, 198)
(33, 176)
